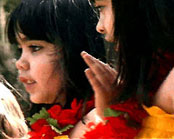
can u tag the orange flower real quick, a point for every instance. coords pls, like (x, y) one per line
(62, 137)
(158, 124)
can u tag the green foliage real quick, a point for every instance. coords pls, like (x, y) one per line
(9, 5)
(0, 33)
(60, 131)
(112, 113)
(53, 122)
(43, 114)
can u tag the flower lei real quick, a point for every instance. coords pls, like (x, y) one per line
(56, 123)
(117, 125)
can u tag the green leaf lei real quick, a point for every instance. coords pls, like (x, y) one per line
(43, 114)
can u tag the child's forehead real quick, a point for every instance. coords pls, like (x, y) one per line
(22, 36)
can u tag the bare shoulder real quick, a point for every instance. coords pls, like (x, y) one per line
(81, 127)
(165, 95)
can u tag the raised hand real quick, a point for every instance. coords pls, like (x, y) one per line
(101, 77)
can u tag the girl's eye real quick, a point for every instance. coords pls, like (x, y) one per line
(35, 48)
(99, 8)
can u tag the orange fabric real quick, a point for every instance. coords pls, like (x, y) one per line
(157, 125)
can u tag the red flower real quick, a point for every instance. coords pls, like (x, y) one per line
(117, 127)
(45, 133)
(41, 129)
(134, 110)
(67, 116)
(37, 126)
(55, 111)
(99, 132)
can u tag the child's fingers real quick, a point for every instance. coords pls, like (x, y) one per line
(100, 69)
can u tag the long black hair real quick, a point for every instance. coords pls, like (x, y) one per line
(70, 24)
(144, 30)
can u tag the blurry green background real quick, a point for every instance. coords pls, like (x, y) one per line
(7, 57)
(7, 54)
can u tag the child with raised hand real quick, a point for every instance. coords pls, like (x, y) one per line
(143, 33)
(50, 35)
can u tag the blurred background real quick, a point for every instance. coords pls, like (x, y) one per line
(8, 54)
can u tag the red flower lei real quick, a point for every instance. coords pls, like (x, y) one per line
(117, 126)
(56, 121)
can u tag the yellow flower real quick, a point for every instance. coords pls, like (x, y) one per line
(62, 137)
(158, 124)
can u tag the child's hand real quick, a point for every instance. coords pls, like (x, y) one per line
(101, 77)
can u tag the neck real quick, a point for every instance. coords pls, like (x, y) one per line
(61, 98)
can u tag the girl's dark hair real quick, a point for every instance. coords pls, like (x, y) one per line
(70, 24)
(144, 30)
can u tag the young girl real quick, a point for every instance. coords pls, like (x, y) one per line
(143, 32)
(50, 36)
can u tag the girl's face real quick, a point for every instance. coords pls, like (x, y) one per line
(106, 20)
(37, 71)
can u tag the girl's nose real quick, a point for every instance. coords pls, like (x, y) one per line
(22, 64)
(100, 27)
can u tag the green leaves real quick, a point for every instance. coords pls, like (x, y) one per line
(53, 122)
(43, 114)
(10, 5)
(108, 112)
(60, 131)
